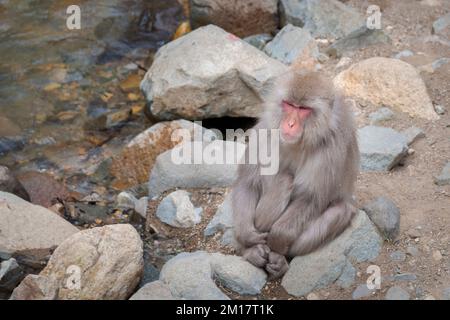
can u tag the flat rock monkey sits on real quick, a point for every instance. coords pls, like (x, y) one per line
(308, 202)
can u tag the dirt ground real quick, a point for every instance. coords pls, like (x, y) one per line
(424, 206)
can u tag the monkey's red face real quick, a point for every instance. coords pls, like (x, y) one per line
(293, 120)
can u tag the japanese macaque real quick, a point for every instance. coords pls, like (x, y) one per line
(309, 201)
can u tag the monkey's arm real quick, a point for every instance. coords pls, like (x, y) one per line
(245, 196)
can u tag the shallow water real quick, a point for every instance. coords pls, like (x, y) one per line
(55, 81)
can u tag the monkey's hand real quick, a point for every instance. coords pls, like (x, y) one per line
(250, 237)
(281, 236)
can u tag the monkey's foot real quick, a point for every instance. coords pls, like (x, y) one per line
(257, 255)
(276, 266)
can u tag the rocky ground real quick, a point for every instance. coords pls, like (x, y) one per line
(91, 206)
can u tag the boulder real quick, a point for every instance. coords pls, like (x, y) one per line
(208, 73)
(384, 81)
(133, 164)
(292, 43)
(323, 18)
(173, 170)
(192, 275)
(24, 226)
(381, 148)
(359, 242)
(242, 18)
(102, 263)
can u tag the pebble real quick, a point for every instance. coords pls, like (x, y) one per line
(437, 256)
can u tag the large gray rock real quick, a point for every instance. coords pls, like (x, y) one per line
(156, 290)
(100, 263)
(360, 242)
(381, 148)
(385, 215)
(444, 177)
(192, 275)
(291, 43)
(167, 174)
(360, 38)
(177, 210)
(242, 18)
(24, 226)
(208, 73)
(9, 183)
(323, 18)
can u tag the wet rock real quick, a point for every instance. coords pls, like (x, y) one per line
(44, 190)
(323, 18)
(132, 165)
(290, 44)
(8, 144)
(444, 177)
(109, 120)
(413, 233)
(397, 293)
(259, 41)
(381, 148)
(360, 38)
(385, 215)
(412, 134)
(397, 256)
(156, 290)
(211, 73)
(10, 275)
(384, 81)
(26, 226)
(381, 115)
(404, 54)
(362, 291)
(9, 183)
(191, 276)
(437, 255)
(108, 261)
(242, 18)
(177, 210)
(141, 207)
(167, 175)
(360, 242)
(442, 25)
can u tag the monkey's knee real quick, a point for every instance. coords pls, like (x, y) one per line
(257, 255)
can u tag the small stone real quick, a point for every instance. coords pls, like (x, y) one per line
(444, 177)
(397, 293)
(141, 207)
(362, 291)
(413, 233)
(412, 134)
(437, 255)
(381, 115)
(398, 256)
(385, 215)
(412, 250)
(125, 200)
(439, 109)
(177, 210)
(405, 277)
(404, 54)
(312, 296)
